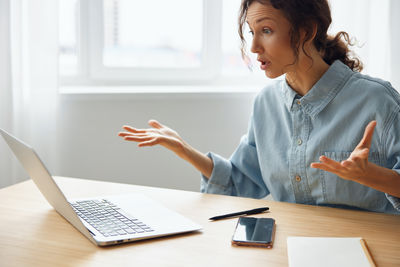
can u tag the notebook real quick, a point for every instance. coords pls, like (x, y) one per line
(106, 220)
(327, 252)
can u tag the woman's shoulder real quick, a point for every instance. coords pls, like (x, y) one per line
(270, 90)
(375, 87)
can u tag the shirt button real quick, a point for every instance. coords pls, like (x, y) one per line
(298, 178)
(298, 102)
(299, 141)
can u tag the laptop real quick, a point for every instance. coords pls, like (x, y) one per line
(104, 220)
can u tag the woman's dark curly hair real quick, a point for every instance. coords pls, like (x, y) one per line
(305, 14)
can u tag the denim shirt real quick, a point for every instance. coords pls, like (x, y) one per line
(288, 132)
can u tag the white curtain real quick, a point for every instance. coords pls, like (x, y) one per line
(28, 80)
(395, 43)
(375, 25)
(5, 90)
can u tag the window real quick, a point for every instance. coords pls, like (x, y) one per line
(162, 39)
(130, 42)
(178, 42)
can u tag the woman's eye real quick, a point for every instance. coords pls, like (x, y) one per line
(267, 30)
(252, 33)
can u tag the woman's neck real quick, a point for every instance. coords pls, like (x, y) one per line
(306, 73)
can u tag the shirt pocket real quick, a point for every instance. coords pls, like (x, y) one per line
(339, 191)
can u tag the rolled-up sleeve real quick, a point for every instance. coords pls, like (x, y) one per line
(395, 201)
(238, 176)
(393, 152)
(220, 179)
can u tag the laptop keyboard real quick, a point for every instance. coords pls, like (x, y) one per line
(107, 218)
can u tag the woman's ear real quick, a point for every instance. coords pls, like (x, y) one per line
(307, 37)
(310, 34)
(314, 31)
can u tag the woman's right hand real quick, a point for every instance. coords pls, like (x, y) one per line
(168, 138)
(158, 135)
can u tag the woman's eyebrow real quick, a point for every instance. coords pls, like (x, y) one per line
(263, 18)
(260, 19)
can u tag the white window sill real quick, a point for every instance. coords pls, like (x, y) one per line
(151, 90)
(121, 93)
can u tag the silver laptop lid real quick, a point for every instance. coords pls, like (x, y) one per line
(44, 181)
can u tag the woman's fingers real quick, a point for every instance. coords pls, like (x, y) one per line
(151, 142)
(356, 163)
(360, 154)
(347, 163)
(368, 133)
(155, 124)
(322, 166)
(327, 164)
(157, 135)
(123, 134)
(330, 162)
(133, 130)
(138, 138)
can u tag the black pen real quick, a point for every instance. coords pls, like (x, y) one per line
(246, 212)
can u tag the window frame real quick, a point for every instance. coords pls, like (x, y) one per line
(91, 69)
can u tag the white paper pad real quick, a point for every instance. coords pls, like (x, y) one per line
(325, 251)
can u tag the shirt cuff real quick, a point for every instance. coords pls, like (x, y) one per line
(220, 180)
(395, 201)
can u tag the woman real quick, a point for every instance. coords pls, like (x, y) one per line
(306, 141)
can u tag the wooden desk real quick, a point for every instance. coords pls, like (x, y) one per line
(33, 234)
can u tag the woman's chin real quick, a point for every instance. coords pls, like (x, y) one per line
(272, 75)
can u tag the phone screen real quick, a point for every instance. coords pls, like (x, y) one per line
(254, 232)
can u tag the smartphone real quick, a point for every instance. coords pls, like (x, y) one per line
(254, 232)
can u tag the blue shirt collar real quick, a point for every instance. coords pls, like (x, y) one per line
(323, 91)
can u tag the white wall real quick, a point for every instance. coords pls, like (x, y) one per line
(88, 145)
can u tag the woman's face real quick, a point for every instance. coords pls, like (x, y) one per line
(271, 39)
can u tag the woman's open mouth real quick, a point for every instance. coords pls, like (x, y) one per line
(264, 64)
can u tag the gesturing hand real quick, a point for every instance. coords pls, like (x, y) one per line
(158, 135)
(354, 168)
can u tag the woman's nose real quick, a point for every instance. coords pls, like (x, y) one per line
(255, 46)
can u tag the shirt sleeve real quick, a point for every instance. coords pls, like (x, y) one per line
(395, 201)
(393, 152)
(238, 176)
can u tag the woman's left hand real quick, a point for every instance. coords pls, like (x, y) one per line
(354, 168)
